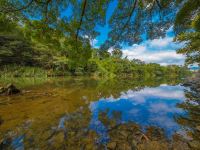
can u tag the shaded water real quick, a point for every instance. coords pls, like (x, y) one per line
(84, 113)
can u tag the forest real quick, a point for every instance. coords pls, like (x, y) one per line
(53, 38)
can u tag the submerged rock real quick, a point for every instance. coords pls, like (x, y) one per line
(153, 145)
(5, 143)
(194, 144)
(10, 89)
(111, 145)
(2, 89)
(198, 128)
(1, 121)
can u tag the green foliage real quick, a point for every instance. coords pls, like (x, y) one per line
(196, 23)
(15, 50)
(133, 18)
(103, 54)
(117, 53)
(91, 66)
(38, 34)
(185, 15)
(118, 67)
(187, 25)
(78, 53)
(191, 48)
(129, 21)
(20, 71)
(7, 25)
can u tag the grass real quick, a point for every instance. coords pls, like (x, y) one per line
(21, 71)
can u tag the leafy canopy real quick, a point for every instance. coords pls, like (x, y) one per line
(68, 26)
(187, 27)
(78, 19)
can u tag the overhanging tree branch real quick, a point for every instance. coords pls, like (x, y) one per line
(46, 10)
(127, 22)
(81, 20)
(158, 3)
(130, 15)
(129, 19)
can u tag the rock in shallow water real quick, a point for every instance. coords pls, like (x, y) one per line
(194, 145)
(10, 89)
(111, 145)
(1, 121)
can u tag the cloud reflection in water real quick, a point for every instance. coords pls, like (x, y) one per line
(149, 106)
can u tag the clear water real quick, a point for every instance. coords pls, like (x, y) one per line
(63, 112)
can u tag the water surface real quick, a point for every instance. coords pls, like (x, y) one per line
(151, 106)
(64, 112)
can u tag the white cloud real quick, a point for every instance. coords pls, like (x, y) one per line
(93, 43)
(163, 108)
(161, 42)
(162, 51)
(164, 92)
(110, 50)
(168, 92)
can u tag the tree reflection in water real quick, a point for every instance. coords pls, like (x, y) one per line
(63, 119)
(191, 122)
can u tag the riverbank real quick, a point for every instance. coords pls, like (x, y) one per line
(140, 71)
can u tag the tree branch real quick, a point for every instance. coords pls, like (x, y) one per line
(158, 3)
(129, 18)
(46, 10)
(130, 15)
(81, 20)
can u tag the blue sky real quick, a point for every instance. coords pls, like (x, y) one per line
(162, 50)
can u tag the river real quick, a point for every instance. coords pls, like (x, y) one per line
(86, 113)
